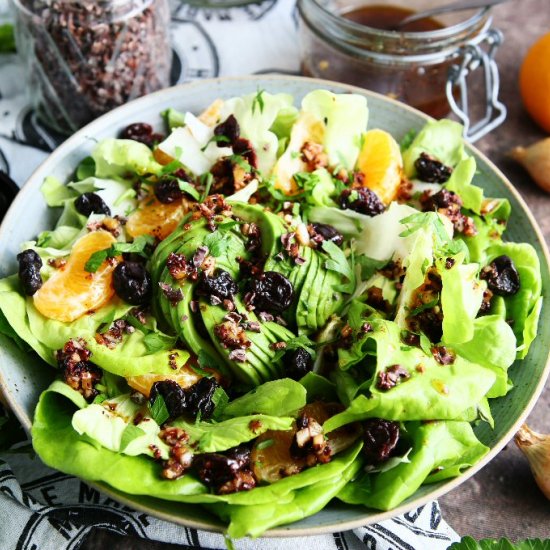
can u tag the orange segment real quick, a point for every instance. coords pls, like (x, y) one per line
(71, 291)
(381, 164)
(185, 377)
(155, 218)
(161, 157)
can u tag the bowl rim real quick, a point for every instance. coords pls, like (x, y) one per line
(282, 531)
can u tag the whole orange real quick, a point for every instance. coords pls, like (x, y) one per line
(534, 82)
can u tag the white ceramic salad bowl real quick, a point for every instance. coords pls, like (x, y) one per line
(24, 376)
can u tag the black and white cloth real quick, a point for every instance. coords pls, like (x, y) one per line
(41, 509)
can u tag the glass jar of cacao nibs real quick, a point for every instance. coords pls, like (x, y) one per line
(85, 57)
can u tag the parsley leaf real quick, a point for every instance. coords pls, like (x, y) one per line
(186, 187)
(369, 266)
(301, 341)
(159, 410)
(130, 433)
(468, 543)
(266, 443)
(137, 247)
(339, 263)
(258, 102)
(155, 341)
(215, 139)
(407, 140)
(239, 160)
(207, 180)
(220, 400)
(424, 307)
(217, 243)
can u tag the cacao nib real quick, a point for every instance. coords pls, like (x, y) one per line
(245, 149)
(391, 376)
(380, 440)
(174, 295)
(502, 276)
(443, 355)
(362, 200)
(78, 372)
(431, 170)
(314, 156)
(321, 232)
(29, 271)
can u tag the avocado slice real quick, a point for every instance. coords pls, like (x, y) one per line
(331, 299)
(271, 225)
(303, 303)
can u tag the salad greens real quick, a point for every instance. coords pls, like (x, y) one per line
(266, 333)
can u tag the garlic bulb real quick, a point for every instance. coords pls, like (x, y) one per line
(536, 447)
(536, 160)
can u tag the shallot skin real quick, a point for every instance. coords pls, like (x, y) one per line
(536, 448)
(536, 160)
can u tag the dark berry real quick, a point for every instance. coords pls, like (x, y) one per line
(90, 203)
(173, 395)
(321, 232)
(221, 286)
(229, 129)
(141, 132)
(502, 276)
(194, 401)
(271, 292)
(29, 271)
(227, 472)
(441, 199)
(168, 191)
(297, 363)
(132, 283)
(380, 439)
(362, 200)
(245, 148)
(431, 170)
(199, 398)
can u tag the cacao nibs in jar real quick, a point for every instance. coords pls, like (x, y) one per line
(125, 46)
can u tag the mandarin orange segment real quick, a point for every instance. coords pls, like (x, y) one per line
(184, 376)
(381, 164)
(161, 157)
(155, 218)
(71, 291)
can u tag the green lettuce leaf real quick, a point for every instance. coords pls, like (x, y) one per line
(468, 543)
(461, 183)
(55, 193)
(283, 397)
(345, 118)
(256, 115)
(449, 447)
(210, 437)
(461, 298)
(432, 392)
(111, 425)
(119, 157)
(441, 139)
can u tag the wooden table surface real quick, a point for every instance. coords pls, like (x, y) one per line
(502, 500)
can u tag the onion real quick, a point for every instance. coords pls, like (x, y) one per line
(536, 160)
(536, 447)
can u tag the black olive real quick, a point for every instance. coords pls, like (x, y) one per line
(502, 276)
(90, 203)
(380, 439)
(362, 200)
(132, 283)
(321, 232)
(222, 285)
(229, 129)
(298, 363)
(431, 170)
(29, 271)
(271, 292)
